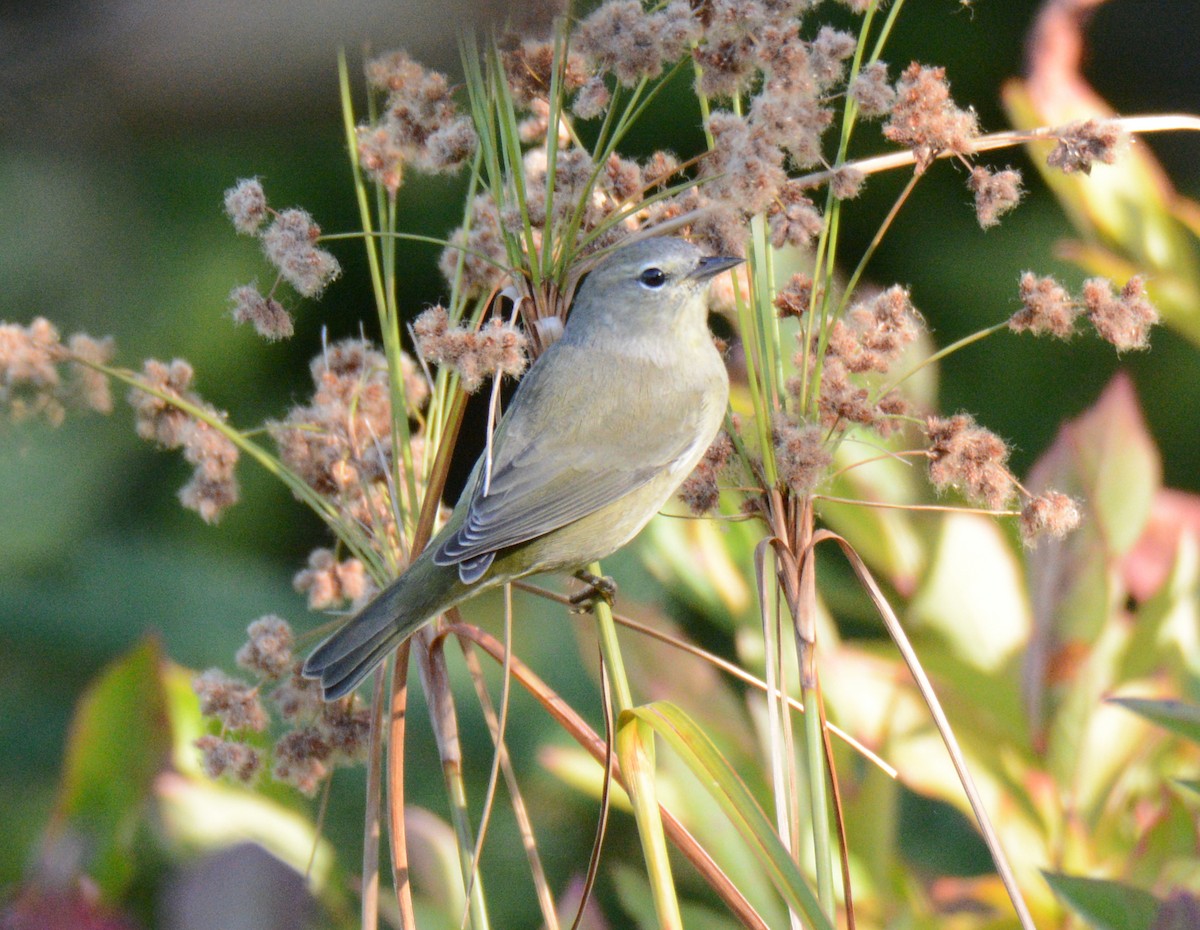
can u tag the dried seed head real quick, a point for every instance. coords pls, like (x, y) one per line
(995, 193)
(700, 490)
(224, 757)
(1082, 144)
(1046, 307)
(266, 314)
(1123, 320)
(872, 92)
(925, 119)
(801, 455)
(268, 650)
(796, 297)
(290, 245)
(328, 582)
(233, 702)
(246, 205)
(1052, 514)
(300, 759)
(966, 456)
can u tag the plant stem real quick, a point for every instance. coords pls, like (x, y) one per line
(635, 750)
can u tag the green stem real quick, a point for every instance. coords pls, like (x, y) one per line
(814, 758)
(635, 749)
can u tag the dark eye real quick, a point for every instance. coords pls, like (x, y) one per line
(653, 277)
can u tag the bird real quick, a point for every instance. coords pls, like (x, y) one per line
(601, 431)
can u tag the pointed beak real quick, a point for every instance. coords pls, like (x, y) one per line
(713, 266)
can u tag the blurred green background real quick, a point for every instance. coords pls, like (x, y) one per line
(122, 123)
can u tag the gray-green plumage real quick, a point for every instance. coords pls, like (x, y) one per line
(602, 430)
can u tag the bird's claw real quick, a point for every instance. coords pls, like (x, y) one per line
(599, 588)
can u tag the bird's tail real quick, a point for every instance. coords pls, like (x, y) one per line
(409, 602)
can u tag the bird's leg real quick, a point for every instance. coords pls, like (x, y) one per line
(599, 588)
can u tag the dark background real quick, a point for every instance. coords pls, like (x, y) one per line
(122, 123)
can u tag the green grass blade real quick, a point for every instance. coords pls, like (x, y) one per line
(705, 761)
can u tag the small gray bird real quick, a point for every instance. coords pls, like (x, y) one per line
(603, 428)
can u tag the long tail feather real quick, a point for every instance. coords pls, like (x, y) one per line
(412, 600)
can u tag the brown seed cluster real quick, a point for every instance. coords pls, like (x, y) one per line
(41, 377)
(926, 119)
(802, 455)
(289, 242)
(340, 442)
(330, 583)
(1081, 145)
(970, 458)
(1123, 319)
(266, 314)
(1052, 514)
(700, 490)
(320, 736)
(213, 487)
(496, 348)
(996, 192)
(1046, 307)
(419, 125)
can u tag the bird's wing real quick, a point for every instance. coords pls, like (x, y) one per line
(553, 465)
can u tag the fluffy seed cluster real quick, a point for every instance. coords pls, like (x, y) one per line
(1081, 145)
(230, 758)
(795, 298)
(289, 242)
(870, 338)
(1046, 307)
(966, 456)
(340, 442)
(40, 376)
(874, 332)
(496, 348)
(1052, 514)
(700, 490)
(234, 703)
(622, 39)
(419, 125)
(872, 92)
(802, 455)
(268, 648)
(330, 583)
(266, 314)
(246, 205)
(290, 245)
(319, 737)
(996, 192)
(925, 117)
(1123, 319)
(213, 487)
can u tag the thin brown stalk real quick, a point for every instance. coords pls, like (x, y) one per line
(838, 811)
(593, 869)
(397, 719)
(520, 809)
(374, 803)
(715, 660)
(1162, 122)
(578, 729)
(892, 623)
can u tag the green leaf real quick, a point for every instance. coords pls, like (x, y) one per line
(705, 761)
(118, 743)
(1180, 718)
(1106, 905)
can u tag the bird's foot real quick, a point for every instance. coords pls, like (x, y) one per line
(599, 588)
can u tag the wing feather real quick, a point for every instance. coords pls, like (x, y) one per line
(549, 469)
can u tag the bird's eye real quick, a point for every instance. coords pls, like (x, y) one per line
(653, 277)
